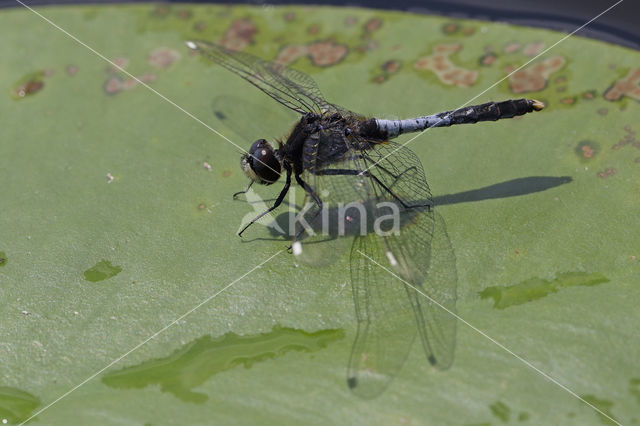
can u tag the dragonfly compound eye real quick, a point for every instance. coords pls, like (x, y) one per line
(264, 163)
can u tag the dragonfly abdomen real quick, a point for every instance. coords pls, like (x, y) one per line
(490, 111)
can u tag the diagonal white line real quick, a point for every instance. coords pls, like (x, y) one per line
(500, 345)
(77, 40)
(503, 79)
(153, 336)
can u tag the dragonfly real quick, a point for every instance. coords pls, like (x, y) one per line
(341, 158)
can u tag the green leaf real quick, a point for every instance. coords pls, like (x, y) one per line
(118, 246)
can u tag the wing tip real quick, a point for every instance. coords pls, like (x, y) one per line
(191, 44)
(352, 382)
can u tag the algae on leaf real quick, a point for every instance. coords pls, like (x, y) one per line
(205, 357)
(537, 288)
(16, 405)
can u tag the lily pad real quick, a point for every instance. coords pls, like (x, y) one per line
(94, 166)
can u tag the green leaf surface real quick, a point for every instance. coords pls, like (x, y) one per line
(116, 220)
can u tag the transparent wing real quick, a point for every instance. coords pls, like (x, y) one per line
(386, 328)
(388, 181)
(437, 300)
(388, 311)
(420, 251)
(293, 89)
(236, 114)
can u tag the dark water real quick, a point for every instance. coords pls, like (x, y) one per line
(619, 25)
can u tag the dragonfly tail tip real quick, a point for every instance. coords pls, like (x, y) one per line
(537, 105)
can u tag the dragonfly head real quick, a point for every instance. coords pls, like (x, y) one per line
(261, 164)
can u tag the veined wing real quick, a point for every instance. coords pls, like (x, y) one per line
(420, 252)
(233, 113)
(388, 311)
(293, 89)
(386, 325)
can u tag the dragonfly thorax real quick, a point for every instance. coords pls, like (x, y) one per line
(261, 164)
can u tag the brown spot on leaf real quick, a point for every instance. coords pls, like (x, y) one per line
(290, 53)
(29, 88)
(536, 76)
(163, 57)
(391, 66)
(113, 85)
(184, 14)
(440, 63)
(488, 59)
(120, 61)
(606, 173)
(586, 150)
(380, 79)
(511, 47)
(350, 21)
(160, 11)
(325, 53)
(628, 86)
(533, 48)
(239, 35)
(468, 31)
(373, 24)
(450, 28)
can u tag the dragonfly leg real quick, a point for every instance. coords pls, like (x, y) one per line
(309, 191)
(315, 197)
(284, 191)
(245, 191)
